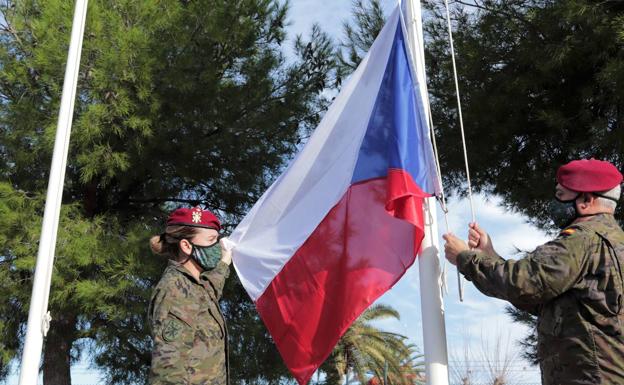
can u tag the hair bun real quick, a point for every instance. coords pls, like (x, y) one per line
(156, 243)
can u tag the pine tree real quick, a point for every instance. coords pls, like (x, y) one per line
(541, 80)
(179, 103)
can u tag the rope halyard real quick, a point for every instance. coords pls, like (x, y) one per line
(441, 198)
(461, 125)
(459, 110)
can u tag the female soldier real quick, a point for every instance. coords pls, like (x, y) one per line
(188, 329)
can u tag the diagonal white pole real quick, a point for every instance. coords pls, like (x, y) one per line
(430, 275)
(38, 316)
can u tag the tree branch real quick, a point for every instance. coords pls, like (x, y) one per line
(496, 11)
(163, 200)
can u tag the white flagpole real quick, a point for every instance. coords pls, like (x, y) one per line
(38, 316)
(432, 305)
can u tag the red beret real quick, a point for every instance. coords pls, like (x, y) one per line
(589, 175)
(195, 217)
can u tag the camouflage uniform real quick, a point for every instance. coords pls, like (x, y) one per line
(574, 285)
(189, 331)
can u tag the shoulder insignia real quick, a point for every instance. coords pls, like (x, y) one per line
(171, 330)
(567, 232)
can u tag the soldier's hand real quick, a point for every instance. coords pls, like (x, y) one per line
(474, 236)
(453, 247)
(226, 252)
(478, 239)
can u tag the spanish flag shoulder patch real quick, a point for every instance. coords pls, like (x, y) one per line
(568, 231)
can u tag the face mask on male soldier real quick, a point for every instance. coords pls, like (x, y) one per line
(563, 213)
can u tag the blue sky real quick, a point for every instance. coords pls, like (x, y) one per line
(329, 14)
(470, 325)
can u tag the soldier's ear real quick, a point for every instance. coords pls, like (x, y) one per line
(588, 200)
(185, 246)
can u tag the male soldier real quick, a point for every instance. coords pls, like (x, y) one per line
(574, 284)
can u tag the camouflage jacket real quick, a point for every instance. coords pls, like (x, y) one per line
(574, 285)
(188, 329)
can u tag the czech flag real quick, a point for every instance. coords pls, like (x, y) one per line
(345, 221)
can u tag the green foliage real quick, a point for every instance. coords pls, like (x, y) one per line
(19, 218)
(99, 278)
(366, 349)
(164, 87)
(542, 80)
(178, 102)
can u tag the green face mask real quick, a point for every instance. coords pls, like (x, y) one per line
(207, 256)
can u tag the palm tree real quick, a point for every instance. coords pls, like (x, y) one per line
(412, 369)
(366, 351)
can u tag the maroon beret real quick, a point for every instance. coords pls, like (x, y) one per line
(195, 217)
(589, 175)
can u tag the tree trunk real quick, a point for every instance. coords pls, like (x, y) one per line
(57, 351)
